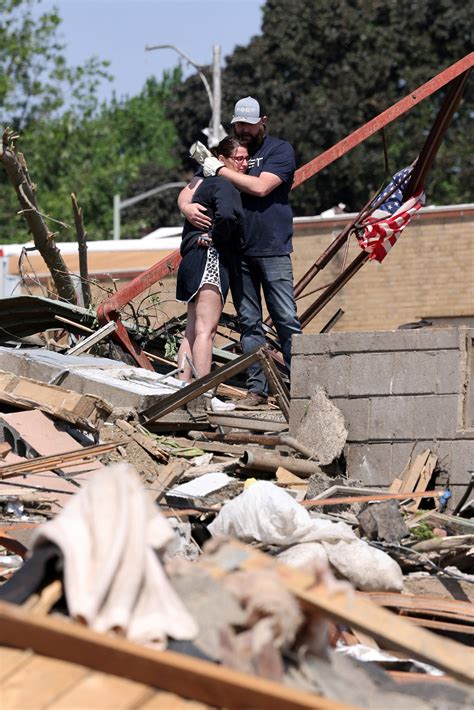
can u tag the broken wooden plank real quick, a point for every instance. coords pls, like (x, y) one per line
(91, 340)
(200, 386)
(63, 460)
(449, 608)
(169, 475)
(177, 672)
(351, 609)
(276, 384)
(83, 410)
(425, 478)
(410, 479)
(146, 442)
(5, 449)
(369, 498)
(240, 421)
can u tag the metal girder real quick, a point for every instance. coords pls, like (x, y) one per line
(417, 179)
(110, 308)
(383, 119)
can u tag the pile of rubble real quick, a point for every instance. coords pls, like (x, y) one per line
(203, 551)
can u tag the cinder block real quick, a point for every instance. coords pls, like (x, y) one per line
(370, 463)
(370, 373)
(415, 372)
(379, 341)
(438, 338)
(391, 418)
(331, 372)
(447, 372)
(460, 464)
(310, 344)
(307, 370)
(356, 416)
(435, 416)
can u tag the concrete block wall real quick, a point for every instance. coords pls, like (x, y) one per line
(400, 392)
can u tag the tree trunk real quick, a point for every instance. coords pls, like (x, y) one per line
(17, 171)
(82, 245)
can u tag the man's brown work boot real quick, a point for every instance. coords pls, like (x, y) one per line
(253, 399)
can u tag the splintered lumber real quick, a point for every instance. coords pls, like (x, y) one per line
(351, 609)
(83, 410)
(146, 442)
(63, 460)
(200, 386)
(93, 339)
(240, 421)
(169, 475)
(369, 498)
(426, 475)
(453, 542)
(176, 672)
(276, 384)
(5, 449)
(412, 474)
(434, 606)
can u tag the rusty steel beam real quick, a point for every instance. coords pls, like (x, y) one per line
(383, 119)
(110, 308)
(421, 169)
(334, 288)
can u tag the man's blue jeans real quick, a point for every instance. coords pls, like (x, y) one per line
(274, 276)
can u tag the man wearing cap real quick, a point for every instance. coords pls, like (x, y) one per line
(266, 262)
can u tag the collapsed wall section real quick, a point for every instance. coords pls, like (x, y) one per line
(400, 392)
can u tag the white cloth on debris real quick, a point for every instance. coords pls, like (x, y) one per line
(266, 513)
(113, 579)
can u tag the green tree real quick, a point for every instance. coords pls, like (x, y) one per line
(101, 156)
(322, 70)
(73, 144)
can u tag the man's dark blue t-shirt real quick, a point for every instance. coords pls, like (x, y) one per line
(269, 220)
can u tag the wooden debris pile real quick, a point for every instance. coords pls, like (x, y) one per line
(194, 462)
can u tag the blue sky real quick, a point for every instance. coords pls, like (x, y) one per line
(118, 30)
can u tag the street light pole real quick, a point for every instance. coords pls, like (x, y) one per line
(214, 138)
(122, 204)
(215, 132)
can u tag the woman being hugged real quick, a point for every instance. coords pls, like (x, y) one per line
(208, 258)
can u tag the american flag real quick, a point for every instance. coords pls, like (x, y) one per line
(378, 233)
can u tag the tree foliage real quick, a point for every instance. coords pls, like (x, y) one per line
(72, 143)
(322, 70)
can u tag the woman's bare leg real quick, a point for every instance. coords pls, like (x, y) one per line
(187, 344)
(208, 305)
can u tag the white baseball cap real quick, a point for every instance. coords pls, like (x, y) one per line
(246, 111)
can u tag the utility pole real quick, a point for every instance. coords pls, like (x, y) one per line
(215, 131)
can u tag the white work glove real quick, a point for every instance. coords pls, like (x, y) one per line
(199, 152)
(211, 166)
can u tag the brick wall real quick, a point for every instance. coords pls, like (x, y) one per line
(399, 391)
(429, 272)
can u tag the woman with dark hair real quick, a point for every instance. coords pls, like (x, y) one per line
(208, 257)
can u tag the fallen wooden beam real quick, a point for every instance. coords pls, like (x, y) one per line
(369, 498)
(351, 609)
(203, 384)
(91, 340)
(63, 460)
(449, 608)
(179, 673)
(83, 410)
